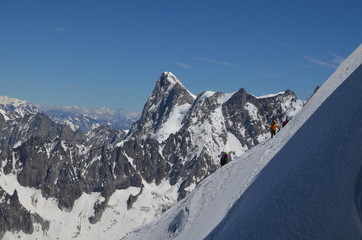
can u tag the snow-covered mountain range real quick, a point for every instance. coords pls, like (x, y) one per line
(77, 118)
(86, 119)
(306, 183)
(60, 183)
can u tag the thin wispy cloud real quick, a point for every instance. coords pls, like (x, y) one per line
(216, 62)
(285, 73)
(330, 64)
(267, 37)
(336, 59)
(182, 65)
(320, 62)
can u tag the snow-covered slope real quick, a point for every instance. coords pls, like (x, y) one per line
(75, 224)
(303, 184)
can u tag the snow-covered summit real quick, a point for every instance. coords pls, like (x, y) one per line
(167, 101)
(303, 184)
(12, 108)
(173, 80)
(170, 77)
(6, 100)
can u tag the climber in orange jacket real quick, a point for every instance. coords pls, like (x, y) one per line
(273, 128)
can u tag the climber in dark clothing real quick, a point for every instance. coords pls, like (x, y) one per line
(285, 122)
(225, 158)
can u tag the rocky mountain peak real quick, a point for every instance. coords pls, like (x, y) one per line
(168, 95)
(165, 85)
(169, 77)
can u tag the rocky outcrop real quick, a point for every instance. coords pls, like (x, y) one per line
(13, 216)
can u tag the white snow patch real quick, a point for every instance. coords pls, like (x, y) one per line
(4, 114)
(173, 123)
(225, 97)
(206, 94)
(234, 145)
(270, 95)
(253, 110)
(17, 144)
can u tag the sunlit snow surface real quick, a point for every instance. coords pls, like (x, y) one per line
(302, 184)
(115, 222)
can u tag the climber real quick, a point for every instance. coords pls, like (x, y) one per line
(273, 128)
(225, 158)
(285, 122)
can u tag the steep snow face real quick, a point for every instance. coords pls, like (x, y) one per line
(309, 188)
(173, 123)
(303, 184)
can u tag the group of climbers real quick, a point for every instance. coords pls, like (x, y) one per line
(225, 157)
(274, 126)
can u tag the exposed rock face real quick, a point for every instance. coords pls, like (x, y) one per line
(13, 216)
(35, 125)
(168, 94)
(177, 139)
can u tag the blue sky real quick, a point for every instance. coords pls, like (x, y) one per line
(110, 53)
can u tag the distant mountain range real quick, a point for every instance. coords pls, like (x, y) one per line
(82, 118)
(101, 182)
